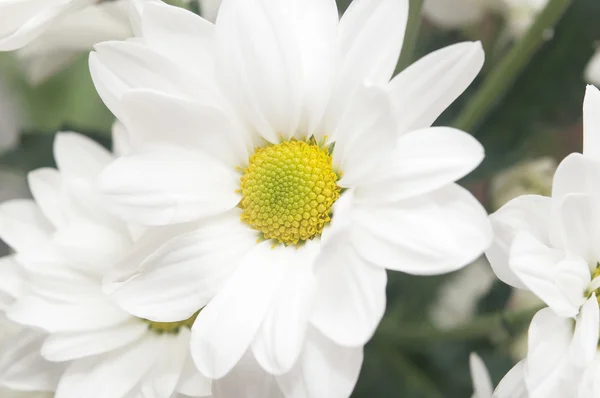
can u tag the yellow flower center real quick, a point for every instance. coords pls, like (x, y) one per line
(171, 327)
(288, 190)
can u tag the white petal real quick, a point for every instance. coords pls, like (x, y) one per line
(548, 344)
(190, 124)
(119, 66)
(124, 368)
(23, 368)
(422, 161)
(247, 379)
(79, 156)
(585, 338)
(61, 347)
(46, 186)
(23, 226)
(192, 382)
(121, 141)
(323, 370)
(209, 9)
(184, 273)
(350, 299)
(426, 235)
(576, 228)
(259, 64)
(577, 173)
(180, 34)
(165, 185)
(425, 89)
(38, 19)
(367, 127)
(370, 36)
(591, 122)
(453, 13)
(55, 316)
(281, 336)
(557, 279)
(482, 383)
(513, 384)
(225, 328)
(527, 213)
(12, 283)
(162, 380)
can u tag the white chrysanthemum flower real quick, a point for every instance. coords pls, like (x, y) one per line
(549, 246)
(511, 386)
(66, 242)
(281, 120)
(592, 70)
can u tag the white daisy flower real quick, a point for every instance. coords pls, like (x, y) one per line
(281, 120)
(549, 246)
(66, 242)
(511, 386)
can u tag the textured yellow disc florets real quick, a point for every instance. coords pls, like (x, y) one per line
(171, 327)
(288, 190)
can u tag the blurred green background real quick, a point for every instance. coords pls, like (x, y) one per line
(540, 114)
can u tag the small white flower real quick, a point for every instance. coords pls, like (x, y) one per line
(280, 125)
(592, 70)
(549, 246)
(66, 243)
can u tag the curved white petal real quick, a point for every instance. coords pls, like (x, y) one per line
(281, 336)
(425, 89)
(527, 213)
(576, 226)
(189, 124)
(225, 328)
(421, 162)
(577, 173)
(591, 123)
(192, 382)
(79, 156)
(119, 66)
(558, 279)
(46, 186)
(453, 13)
(323, 370)
(184, 273)
(181, 35)
(23, 226)
(370, 37)
(512, 384)
(162, 185)
(125, 368)
(121, 141)
(259, 64)
(12, 283)
(21, 365)
(430, 234)
(247, 379)
(61, 347)
(548, 346)
(350, 297)
(55, 316)
(482, 383)
(585, 337)
(24, 21)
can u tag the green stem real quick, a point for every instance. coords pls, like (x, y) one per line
(504, 74)
(485, 326)
(411, 35)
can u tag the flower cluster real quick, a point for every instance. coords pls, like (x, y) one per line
(267, 171)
